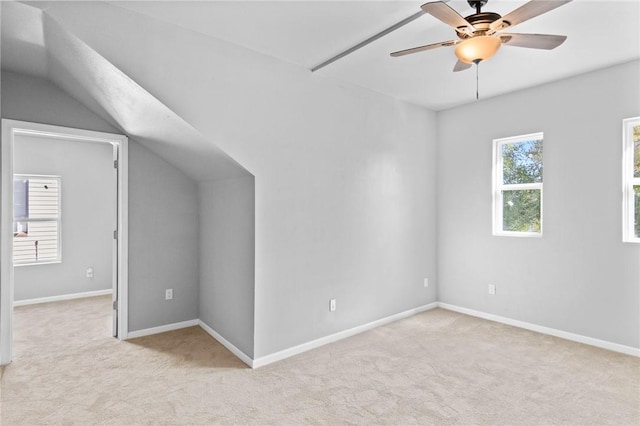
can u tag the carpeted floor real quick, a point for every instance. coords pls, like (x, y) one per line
(438, 367)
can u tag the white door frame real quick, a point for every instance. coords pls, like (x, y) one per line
(11, 128)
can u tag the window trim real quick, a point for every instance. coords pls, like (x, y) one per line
(58, 259)
(628, 180)
(498, 186)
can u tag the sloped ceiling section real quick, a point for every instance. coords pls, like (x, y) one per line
(23, 40)
(34, 43)
(600, 33)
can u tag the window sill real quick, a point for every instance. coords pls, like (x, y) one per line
(52, 262)
(519, 234)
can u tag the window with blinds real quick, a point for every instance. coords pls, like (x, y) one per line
(36, 219)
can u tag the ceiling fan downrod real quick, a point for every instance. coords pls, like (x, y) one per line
(477, 4)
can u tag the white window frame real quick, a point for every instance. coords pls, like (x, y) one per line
(628, 181)
(498, 186)
(58, 258)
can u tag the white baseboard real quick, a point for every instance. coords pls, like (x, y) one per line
(260, 362)
(227, 344)
(62, 297)
(628, 350)
(296, 350)
(278, 356)
(162, 328)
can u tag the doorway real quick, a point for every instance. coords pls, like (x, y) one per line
(13, 131)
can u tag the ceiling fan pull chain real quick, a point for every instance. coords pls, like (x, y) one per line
(477, 81)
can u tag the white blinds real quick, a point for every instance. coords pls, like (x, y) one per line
(36, 236)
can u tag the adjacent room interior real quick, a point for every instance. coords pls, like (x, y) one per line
(41, 274)
(322, 223)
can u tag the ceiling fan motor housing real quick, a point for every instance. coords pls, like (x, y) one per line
(479, 34)
(481, 22)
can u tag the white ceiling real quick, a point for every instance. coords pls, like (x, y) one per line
(305, 33)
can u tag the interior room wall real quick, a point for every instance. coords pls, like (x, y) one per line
(88, 199)
(579, 277)
(345, 178)
(227, 257)
(163, 207)
(34, 99)
(163, 242)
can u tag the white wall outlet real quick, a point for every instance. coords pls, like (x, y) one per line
(332, 305)
(168, 294)
(89, 272)
(426, 282)
(492, 289)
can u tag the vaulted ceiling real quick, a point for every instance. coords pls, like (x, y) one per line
(306, 33)
(34, 44)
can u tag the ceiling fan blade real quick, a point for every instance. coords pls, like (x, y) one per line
(526, 12)
(446, 14)
(461, 66)
(425, 47)
(533, 41)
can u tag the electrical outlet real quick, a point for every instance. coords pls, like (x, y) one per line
(168, 294)
(89, 272)
(492, 289)
(426, 282)
(332, 305)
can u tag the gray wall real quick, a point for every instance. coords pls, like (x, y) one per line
(163, 207)
(163, 241)
(579, 277)
(345, 178)
(88, 199)
(34, 99)
(227, 256)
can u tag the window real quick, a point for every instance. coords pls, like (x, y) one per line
(36, 219)
(631, 180)
(517, 186)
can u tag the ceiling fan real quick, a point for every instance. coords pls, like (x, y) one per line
(479, 34)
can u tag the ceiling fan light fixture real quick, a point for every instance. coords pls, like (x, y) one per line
(477, 49)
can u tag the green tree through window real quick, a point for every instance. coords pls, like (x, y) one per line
(636, 151)
(518, 169)
(631, 180)
(636, 174)
(521, 164)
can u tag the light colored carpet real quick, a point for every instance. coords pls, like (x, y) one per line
(438, 367)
